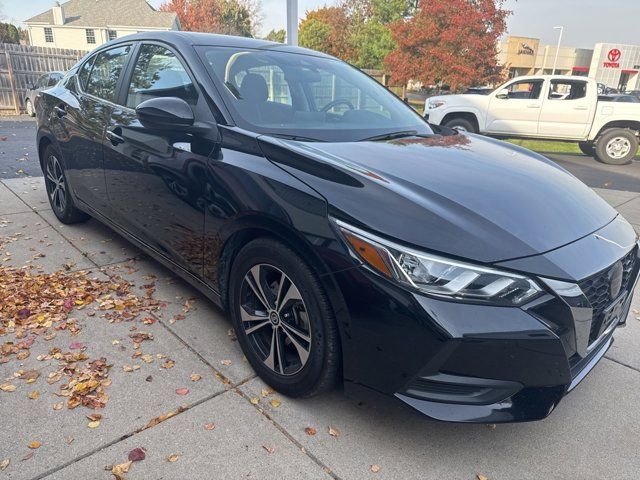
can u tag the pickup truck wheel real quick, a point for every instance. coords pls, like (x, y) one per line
(587, 148)
(461, 124)
(617, 146)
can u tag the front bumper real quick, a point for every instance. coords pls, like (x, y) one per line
(469, 363)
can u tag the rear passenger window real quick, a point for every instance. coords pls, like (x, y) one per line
(567, 90)
(159, 73)
(105, 73)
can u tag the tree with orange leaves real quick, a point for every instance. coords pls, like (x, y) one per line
(451, 42)
(229, 17)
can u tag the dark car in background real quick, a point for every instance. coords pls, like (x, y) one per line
(350, 241)
(619, 98)
(33, 93)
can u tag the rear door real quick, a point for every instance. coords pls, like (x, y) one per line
(567, 110)
(156, 178)
(519, 112)
(80, 118)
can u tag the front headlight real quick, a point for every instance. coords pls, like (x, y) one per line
(436, 275)
(435, 104)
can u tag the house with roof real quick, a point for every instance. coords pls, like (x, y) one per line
(85, 24)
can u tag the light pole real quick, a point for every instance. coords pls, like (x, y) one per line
(292, 22)
(555, 62)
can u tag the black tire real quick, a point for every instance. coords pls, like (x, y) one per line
(58, 192)
(616, 146)
(587, 148)
(29, 107)
(320, 370)
(461, 124)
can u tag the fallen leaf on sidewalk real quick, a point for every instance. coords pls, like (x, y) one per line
(254, 400)
(119, 470)
(94, 424)
(480, 476)
(168, 364)
(209, 426)
(268, 448)
(34, 445)
(34, 395)
(146, 358)
(225, 362)
(7, 387)
(275, 403)
(58, 406)
(77, 346)
(182, 391)
(4, 463)
(310, 431)
(195, 377)
(172, 458)
(375, 468)
(161, 418)
(334, 431)
(137, 454)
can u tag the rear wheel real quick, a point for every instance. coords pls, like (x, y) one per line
(617, 146)
(29, 107)
(283, 319)
(461, 124)
(587, 148)
(58, 189)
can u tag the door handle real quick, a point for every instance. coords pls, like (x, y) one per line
(581, 107)
(60, 111)
(114, 138)
(533, 105)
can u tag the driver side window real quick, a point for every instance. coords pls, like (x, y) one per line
(526, 89)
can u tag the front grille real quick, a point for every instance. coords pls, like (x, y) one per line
(597, 290)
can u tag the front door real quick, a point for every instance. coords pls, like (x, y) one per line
(155, 178)
(519, 111)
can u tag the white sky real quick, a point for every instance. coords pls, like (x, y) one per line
(586, 22)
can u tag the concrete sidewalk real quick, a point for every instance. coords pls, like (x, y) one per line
(593, 434)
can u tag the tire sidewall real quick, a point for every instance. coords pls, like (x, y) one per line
(601, 147)
(66, 215)
(30, 110)
(461, 122)
(273, 253)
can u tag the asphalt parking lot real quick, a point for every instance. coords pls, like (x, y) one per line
(179, 390)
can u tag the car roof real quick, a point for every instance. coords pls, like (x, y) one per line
(179, 38)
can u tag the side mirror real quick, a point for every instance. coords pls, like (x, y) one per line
(165, 113)
(503, 94)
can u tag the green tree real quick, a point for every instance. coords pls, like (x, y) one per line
(316, 35)
(375, 42)
(9, 33)
(277, 35)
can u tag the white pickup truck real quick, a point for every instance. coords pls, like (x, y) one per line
(546, 107)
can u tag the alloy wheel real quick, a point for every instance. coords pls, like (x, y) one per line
(618, 147)
(56, 187)
(275, 319)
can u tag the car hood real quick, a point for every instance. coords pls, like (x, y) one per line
(462, 195)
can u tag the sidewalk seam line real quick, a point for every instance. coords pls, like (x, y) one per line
(325, 468)
(124, 437)
(635, 369)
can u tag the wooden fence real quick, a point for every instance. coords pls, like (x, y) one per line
(20, 67)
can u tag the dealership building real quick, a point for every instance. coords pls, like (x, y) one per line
(612, 64)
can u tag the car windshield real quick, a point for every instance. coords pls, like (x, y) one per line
(306, 97)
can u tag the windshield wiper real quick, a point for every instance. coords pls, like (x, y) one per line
(391, 136)
(294, 137)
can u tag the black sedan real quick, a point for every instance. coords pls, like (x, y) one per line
(350, 242)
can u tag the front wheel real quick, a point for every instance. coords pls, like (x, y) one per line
(283, 319)
(29, 107)
(617, 146)
(461, 124)
(58, 191)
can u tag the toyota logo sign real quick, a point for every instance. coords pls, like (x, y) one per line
(614, 57)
